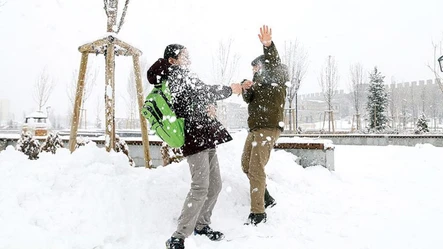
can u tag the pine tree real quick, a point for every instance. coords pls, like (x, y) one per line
(52, 143)
(377, 102)
(28, 145)
(422, 125)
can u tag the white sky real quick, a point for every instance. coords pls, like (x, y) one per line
(394, 35)
(94, 199)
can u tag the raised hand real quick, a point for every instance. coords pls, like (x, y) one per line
(265, 35)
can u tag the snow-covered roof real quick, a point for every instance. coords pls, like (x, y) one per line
(37, 114)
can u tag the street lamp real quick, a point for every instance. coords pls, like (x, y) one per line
(440, 61)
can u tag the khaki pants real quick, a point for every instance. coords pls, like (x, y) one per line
(258, 147)
(205, 186)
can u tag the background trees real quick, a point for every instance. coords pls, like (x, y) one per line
(377, 102)
(43, 88)
(328, 81)
(295, 58)
(357, 90)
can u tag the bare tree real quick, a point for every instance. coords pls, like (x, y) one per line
(328, 81)
(132, 101)
(131, 89)
(295, 58)
(98, 112)
(43, 88)
(224, 66)
(224, 63)
(394, 104)
(356, 87)
(438, 50)
(71, 90)
(144, 66)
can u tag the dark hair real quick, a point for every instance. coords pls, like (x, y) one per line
(258, 60)
(159, 71)
(172, 51)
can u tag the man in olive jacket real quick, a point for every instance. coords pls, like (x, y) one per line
(265, 96)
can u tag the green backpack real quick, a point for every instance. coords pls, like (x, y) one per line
(158, 111)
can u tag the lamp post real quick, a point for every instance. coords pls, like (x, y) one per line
(440, 62)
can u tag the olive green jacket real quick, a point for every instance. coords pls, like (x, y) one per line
(266, 98)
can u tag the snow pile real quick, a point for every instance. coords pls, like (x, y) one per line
(379, 197)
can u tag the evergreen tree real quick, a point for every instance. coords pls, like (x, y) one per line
(28, 145)
(422, 125)
(52, 143)
(377, 102)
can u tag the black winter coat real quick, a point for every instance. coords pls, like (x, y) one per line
(191, 98)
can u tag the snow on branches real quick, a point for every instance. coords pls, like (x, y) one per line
(170, 155)
(422, 125)
(122, 146)
(28, 145)
(52, 143)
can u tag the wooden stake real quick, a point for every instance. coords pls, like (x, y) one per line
(143, 124)
(109, 98)
(110, 46)
(78, 101)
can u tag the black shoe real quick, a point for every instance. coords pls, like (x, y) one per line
(254, 219)
(175, 243)
(211, 234)
(269, 201)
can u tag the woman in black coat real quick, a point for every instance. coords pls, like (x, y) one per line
(194, 101)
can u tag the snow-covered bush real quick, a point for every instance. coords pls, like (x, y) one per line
(3, 144)
(122, 146)
(422, 125)
(52, 143)
(81, 141)
(170, 155)
(28, 145)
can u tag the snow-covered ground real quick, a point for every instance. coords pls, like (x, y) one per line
(378, 197)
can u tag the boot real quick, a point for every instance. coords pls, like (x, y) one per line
(211, 234)
(175, 243)
(269, 201)
(255, 219)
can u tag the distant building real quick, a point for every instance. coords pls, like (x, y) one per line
(232, 115)
(406, 102)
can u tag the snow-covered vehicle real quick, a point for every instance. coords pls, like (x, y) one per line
(37, 123)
